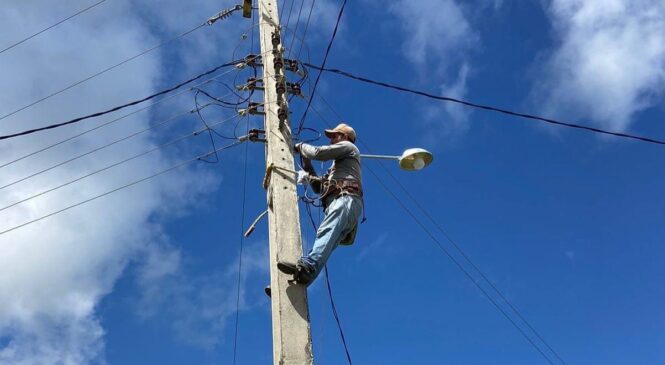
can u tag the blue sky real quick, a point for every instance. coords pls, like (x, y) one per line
(563, 222)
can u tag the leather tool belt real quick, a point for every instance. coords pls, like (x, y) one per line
(336, 188)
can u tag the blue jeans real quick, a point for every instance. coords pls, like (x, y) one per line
(341, 218)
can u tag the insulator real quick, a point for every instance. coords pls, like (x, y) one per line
(282, 114)
(250, 59)
(278, 63)
(251, 83)
(292, 65)
(276, 39)
(281, 88)
(295, 89)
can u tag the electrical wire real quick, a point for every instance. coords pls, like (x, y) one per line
(485, 107)
(146, 51)
(115, 164)
(97, 149)
(51, 26)
(295, 30)
(109, 122)
(458, 264)
(242, 238)
(336, 315)
(135, 102)
(468, 260)
(288, 20)
(173, 167)
(323, 65)
(302, 42)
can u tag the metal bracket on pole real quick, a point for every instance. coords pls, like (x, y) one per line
(252, 109)
(251, 61)
(253, 136)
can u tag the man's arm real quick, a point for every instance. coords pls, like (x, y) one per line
(313, 180)
(326, 153)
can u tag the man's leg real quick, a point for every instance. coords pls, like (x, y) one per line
(337, 223)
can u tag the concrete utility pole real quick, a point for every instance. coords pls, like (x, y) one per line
(292, 340)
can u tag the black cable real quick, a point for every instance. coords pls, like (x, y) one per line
(107, 123)
(457, 263)
(242, 237)
(453, 259)
(334, 310)
(288, 20)
(302, 41)
(102, 71)
(468, 259)
(323, 65)
(295, 29)
(212, 140)
(118, 163)
(97, 149)
(485, 107)
(173, 167)
(94, 115)
(51, 26)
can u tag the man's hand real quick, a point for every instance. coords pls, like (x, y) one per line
(303, 177)
(296, 147)
(307, 166)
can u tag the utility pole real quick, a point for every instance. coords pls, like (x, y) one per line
(292, 339)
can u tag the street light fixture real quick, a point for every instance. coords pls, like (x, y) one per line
(412, 159)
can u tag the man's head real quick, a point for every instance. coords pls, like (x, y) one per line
(343, 132)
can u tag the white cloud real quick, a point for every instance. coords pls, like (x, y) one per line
(610, 63)
(200, 307)
(55, 272)
(437, 39)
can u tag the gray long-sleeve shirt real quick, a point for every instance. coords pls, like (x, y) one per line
(346, 156)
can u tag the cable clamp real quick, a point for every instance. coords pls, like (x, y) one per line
(223, 14)
(252, 84)
(253, 136)
(252, 109)
(251, 61)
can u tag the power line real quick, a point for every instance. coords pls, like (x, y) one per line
(198, 158)
(302, 41)
(111, 121)
(484, 107)
(51, 26)
(103, 71)
(336, 315)
(323, 65)
(242, 239)
(295, 29)
(115, 164)
(135, 102)
(468, 259)
(457, 263)
(452, 258)
(97, 149)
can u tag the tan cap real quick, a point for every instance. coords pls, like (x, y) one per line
(343, 129)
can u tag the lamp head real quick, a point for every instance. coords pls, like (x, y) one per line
(415, 159)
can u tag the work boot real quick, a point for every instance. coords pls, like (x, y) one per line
(268, 291)
(287, 267)
(304, 275)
